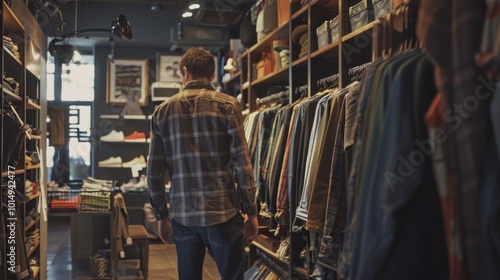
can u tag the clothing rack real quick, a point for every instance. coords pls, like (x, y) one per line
(301, 91)
(272, 264)
(357, 71)
(280, 96)
(328, 82)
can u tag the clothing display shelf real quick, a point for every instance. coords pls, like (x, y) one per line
(23, 109)
(124, 144)
(311, 69)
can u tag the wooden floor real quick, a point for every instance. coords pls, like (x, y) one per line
(60, 266)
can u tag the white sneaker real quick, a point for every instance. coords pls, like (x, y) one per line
(111, 162)
(127, 186)
(140, 160)
(113, 136)
(142, 183)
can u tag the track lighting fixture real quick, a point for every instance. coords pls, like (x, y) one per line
(120, 27)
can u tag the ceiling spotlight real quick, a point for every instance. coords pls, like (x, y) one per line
(187, 14)
(194, 6)
(155, 7)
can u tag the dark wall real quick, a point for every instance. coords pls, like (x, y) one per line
(150, 29)
(128, 151)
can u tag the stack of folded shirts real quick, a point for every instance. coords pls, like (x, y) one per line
(11, 46)
(53, 186)
(70, 202)
(10, 84)
(96, 195)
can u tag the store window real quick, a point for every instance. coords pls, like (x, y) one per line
(72, 161)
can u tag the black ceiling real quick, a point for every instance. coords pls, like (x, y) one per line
(151, 27)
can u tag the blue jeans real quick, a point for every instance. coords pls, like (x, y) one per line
(225, 243)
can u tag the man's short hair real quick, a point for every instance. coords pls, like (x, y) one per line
(199, 62)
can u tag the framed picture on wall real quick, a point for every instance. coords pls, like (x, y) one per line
(167, 68)
(127, 81)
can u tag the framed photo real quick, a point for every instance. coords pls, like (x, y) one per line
(127, 81)
(167, 68)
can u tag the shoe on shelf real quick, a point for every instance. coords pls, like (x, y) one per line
(113, 136)
(127, 186)
(136, 137)
(32, 157)
(135, 186)
(32, 100)
(140, 160)
(32, 130)
(111, 162)
(130, 183)
(33, 213)
(142, 183)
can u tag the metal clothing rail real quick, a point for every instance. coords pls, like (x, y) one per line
(280, 96)
(301, 91)
(328, 82)
(270, 262)
(356, 72)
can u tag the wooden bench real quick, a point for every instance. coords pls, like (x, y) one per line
(140, 238)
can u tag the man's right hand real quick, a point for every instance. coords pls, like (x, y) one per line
(165, 230)
(251, 228)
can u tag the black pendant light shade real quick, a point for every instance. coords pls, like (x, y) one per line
(121, 28)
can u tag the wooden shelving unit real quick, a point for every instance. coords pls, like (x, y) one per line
(318, 63)
(28, 99)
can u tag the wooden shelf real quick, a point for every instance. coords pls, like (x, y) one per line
(31, 167)
(273, 78)
(33, 249)
(359, 31)
(31, 197)
(280, 33)
(33, 106)
(300, 12)
(329, 51)
(34, 137)
(300, 61)
(16, 172)
(12, 96)
(35, 270)
(11, 23)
